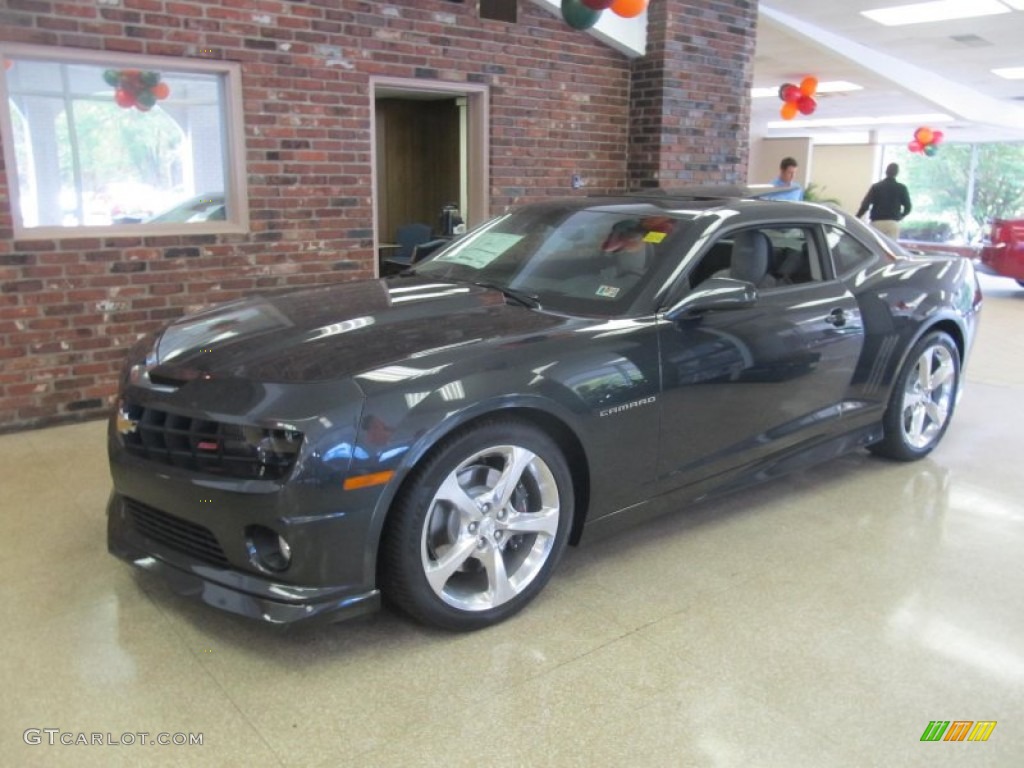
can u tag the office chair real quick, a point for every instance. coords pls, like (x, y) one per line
(408, 236)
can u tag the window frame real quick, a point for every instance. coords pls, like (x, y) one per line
(236, 193)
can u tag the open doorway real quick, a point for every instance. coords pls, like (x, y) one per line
(429, 150)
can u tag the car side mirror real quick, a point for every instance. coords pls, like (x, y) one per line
(714, 293)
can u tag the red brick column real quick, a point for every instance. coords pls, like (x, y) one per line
(690, 110)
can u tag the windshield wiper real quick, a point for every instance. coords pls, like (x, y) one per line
(519, 297)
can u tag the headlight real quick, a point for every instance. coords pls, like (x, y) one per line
(142, 356)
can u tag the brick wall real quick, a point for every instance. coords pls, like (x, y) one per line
(560, 103)
(690, 121)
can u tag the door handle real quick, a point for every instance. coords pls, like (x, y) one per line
(836, 317)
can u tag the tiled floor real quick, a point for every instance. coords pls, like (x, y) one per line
(823, 620)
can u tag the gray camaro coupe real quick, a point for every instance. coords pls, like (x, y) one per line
(438, 437)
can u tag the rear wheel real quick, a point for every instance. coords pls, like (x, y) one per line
(479, 528)
(922, 400)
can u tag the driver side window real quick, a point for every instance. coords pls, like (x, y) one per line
(767, 257)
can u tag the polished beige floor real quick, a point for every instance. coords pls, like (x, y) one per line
(820, 621)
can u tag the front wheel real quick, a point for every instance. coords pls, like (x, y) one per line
(479, 527)
(922, 401)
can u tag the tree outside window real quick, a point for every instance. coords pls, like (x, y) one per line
(140, 144)
(959, 190)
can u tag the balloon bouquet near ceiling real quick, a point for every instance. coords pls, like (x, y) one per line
(135, 88)
(926, 141)
(583, 14)
(798, 98)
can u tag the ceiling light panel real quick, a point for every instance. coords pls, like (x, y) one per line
(938, 10)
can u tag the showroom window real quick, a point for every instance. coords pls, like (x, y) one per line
(107, 143)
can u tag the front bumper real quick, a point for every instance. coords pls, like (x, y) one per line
(229, 589)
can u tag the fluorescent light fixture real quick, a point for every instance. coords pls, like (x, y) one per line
(867, 120)
(938, 10)
(1010, 73)
(828, 86)
(838, 86)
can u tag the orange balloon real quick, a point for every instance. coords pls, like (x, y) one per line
(808, 86)
(923, 135)
(627, 9)
(788, 111)
(161, 90)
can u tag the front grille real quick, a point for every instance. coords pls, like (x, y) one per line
(181, 535)
(213, 447)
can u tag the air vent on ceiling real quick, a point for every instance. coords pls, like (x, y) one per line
(971, 41)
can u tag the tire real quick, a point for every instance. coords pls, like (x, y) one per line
(1020, 283)
(922, 400)
(479, 527)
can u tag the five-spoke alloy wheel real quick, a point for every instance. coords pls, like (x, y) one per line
(922, 400)
(479, 527)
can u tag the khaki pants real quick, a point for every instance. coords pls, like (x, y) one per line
(888, 227)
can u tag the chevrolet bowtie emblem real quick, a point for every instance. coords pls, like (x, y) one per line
(125, 424)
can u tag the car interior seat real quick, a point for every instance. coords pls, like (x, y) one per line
(794, 267)
(751, 256)
(633, 261)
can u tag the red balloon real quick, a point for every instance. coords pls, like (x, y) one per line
(627, 9)
(914, 146)
(124, 98)
(789, 93)
(806, 105)
(937, 136)
(597, 5)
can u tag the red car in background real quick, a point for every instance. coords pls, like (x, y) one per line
(1003, 253)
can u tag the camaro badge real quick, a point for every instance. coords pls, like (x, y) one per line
(126, 425)
(626, 406)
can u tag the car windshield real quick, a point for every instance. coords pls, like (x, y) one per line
(590, 261)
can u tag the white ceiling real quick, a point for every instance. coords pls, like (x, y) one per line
(938, 68)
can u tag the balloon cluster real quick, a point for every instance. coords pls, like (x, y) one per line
(134, 88)
(798, 98)
(926, 141)
(583, 14)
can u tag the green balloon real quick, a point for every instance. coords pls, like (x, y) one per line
(149, 79)
(111, 77)
(145, 99)
(578, 16)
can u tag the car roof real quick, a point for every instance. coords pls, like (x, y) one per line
(749, 202)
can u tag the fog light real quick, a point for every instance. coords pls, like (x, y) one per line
(268, 550)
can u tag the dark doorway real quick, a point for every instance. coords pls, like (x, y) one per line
(419, 168)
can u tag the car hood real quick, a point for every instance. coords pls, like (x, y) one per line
(340, 330)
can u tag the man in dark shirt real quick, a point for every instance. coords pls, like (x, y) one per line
(889, 202)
